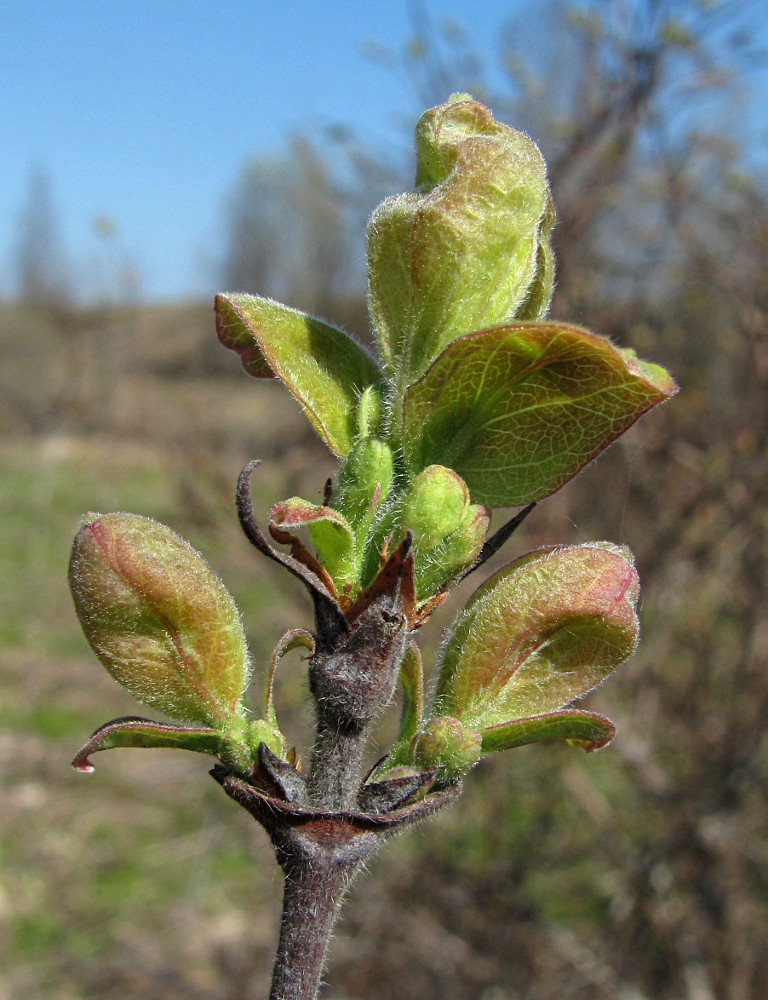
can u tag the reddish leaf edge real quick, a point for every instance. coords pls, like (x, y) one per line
(134, 731)
(585, 730)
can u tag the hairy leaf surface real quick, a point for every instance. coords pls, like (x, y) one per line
(323, 367)
(518, 410)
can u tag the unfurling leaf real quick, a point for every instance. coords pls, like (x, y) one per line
(159, 619)
(323, 367)
(330, 533)
(542, 632)
(518, 410)
(464, 252)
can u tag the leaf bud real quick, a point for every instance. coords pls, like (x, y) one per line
(448, 531)
(159, 619)
(470, 249)
(446, 744)
(435, 505)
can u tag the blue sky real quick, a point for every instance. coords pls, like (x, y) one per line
(146, 111)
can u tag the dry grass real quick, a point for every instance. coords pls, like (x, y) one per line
(638, 872)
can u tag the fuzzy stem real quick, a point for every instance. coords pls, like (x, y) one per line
(314, 891)
(337, 763)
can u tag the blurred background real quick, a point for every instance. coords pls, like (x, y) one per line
(157, 153)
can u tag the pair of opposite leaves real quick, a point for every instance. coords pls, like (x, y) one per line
(542, 632)
(460, 276)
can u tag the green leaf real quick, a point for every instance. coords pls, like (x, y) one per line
(323, 367)
(132, 731)
(159, 619)
(585, 730)
(518, 410)
(543, 631)
(463, 253)
(412, 684)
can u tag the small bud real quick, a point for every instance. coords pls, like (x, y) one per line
(159, 619)
(448, 531)
(446, 744)
(435, 505)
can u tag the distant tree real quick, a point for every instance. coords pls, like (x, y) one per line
(287, 231)
(42, 273)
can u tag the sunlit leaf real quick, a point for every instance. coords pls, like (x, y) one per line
(324, 368)
(542, 632)
(518, 410)
(159, 619)
(462, 253)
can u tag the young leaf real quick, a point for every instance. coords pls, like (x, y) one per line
(518, 410)
(330, 533)
(159, 619)
(463, 253)
(323, 367)
(545, 630)
(585, 730)
(132, 731)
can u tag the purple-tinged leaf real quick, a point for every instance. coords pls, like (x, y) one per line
(132, 731)
(518, 410)
(331, 536)
(542, 632)
(159, 619)
(323, 367)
